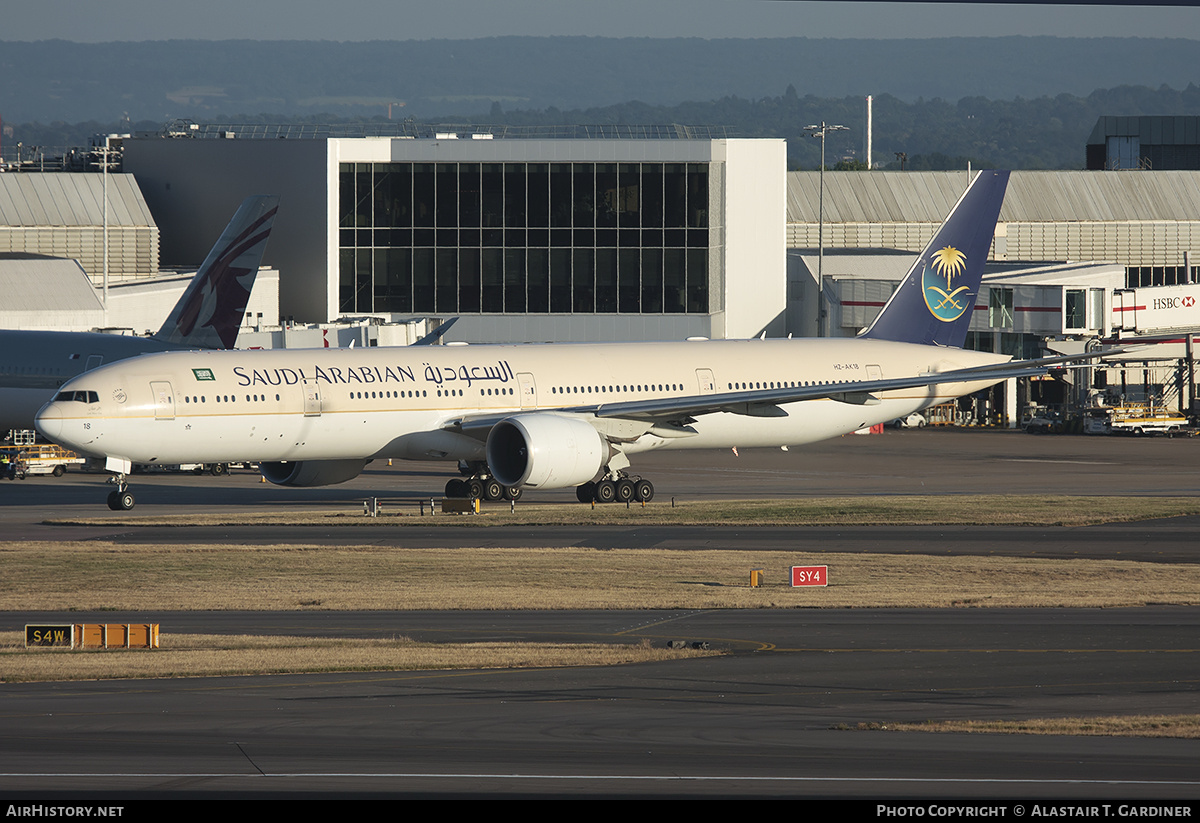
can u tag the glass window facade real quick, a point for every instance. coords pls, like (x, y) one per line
(1136, 276)
(491, 238)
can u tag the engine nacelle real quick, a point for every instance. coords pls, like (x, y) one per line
(312, 472)
(545, 451)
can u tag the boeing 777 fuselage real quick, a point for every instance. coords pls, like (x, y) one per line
(354, 405)
(544, 416)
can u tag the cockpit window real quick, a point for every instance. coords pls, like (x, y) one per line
(78, 396)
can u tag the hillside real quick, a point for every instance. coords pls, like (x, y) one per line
(56, 80)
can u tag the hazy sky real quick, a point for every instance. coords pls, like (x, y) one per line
(429, 19)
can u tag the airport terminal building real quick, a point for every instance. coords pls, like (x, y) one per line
(648, 235)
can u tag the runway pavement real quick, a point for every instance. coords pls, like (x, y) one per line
(775, 717)
(949, 462)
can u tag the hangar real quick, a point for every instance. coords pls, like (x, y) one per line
(63, 214)
(59, 274)
(1148, 222)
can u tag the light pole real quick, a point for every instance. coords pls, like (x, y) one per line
(820, 131)
(107, 146)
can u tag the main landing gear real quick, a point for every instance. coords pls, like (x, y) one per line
(121, 499)
(621, 490)
(480, 485)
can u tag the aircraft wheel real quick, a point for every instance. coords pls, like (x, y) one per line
(625, 490)
(474, 488)
(606, 491)
(456, 488)
(586, 492)
(493, 490)
(513, 492)
(125, 501)
(112, 501)
(643, 491)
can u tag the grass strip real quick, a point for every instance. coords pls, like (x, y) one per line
(90, 576)
(201, 655)
(1175, 725)
(916, 510)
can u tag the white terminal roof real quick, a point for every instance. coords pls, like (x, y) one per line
(31, 200)
(1032, 196)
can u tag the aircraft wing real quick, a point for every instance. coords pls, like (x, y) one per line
(680, 411)
(766, 402)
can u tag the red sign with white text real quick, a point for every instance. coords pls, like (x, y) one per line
(810, 576)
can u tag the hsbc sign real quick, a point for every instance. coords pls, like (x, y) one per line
(1156, 309)
(1187, 302)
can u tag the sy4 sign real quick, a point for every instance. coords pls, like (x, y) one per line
(810, 576)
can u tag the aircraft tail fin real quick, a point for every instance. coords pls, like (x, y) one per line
(209, 314)
(936, 299)
(434, 336)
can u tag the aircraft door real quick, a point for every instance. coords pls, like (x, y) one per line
(528, 389)
(164, 400)
(705, 378)
(874, 373)
(93, 361)
(312, 400)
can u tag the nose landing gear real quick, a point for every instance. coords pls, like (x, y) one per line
(120, 499)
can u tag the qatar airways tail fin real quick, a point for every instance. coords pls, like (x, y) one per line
(936, 299)
(209, 314)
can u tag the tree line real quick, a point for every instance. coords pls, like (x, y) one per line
(1048, 132)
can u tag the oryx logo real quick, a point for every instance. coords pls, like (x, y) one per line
(945, 301)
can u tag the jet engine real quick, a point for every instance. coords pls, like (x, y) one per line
(312, 472)
(545, 451)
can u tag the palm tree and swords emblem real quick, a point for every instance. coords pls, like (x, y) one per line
(946, 304)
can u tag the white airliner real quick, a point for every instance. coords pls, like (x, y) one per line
(34, 364)
(544, 416)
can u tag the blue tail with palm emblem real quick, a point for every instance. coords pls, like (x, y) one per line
(936, 299)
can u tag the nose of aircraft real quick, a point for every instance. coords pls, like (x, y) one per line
(49, 422)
